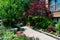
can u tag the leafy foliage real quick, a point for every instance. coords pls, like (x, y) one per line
(12, 10)
(36, 8)
(40, 22)
(58, 26)
(46, 22)
(9, 35)
(26, 4)
(51, 28)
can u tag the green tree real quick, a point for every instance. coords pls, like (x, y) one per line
(11, 9)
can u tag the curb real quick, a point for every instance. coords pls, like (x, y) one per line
(46, 33)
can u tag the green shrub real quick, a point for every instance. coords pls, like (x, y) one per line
(9, 35)
(20, 38)
(46, 22)
(40, 22)
(58, 26)
(13, 10)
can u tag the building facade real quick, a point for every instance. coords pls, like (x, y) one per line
(54, 7)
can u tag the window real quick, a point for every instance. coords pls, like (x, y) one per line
(55, 5)
(59, 19)
(52, 5)
(55, 20)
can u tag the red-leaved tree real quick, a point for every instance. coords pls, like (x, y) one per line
(38, 8)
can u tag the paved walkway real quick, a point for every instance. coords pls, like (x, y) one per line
(32, 33)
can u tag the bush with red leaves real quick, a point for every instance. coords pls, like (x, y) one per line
(35, 7)
(38, 8)
(51, 28)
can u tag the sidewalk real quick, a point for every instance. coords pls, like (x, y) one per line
(32, 33)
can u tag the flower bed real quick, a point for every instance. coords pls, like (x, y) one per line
(51, 33)
(7, 34)
(47, 25)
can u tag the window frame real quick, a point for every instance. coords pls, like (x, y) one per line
(54, 5)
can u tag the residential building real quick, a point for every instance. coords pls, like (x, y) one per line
(54, 7)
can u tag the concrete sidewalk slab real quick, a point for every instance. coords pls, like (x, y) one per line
(32, 33)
